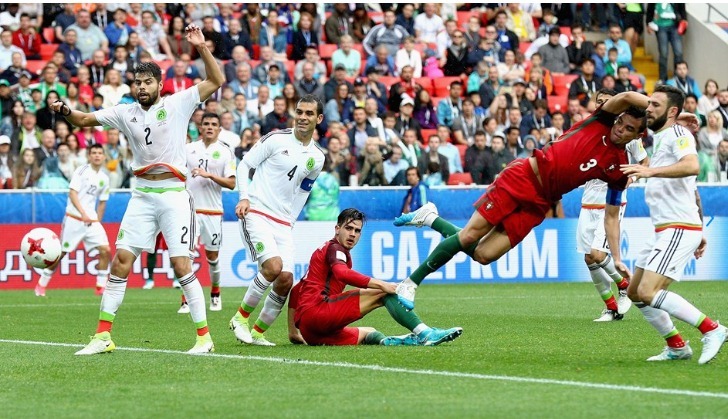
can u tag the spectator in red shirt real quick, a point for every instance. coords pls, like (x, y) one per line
(27, 39)
(179, 82)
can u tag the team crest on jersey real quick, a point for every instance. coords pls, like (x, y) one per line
(310, 163)
(259, 247)
(120, 235)
(216, 155)
(101, 183)
(161, 115)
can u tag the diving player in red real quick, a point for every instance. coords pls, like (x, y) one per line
(322, 310)
(517, 201)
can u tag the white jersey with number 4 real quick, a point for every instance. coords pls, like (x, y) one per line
(282, 165)
(672, 201)
(157, 136)
(91, 186)
(595, 191)
(217, 159)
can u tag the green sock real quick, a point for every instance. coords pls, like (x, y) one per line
(151, 264)
(408, 319)
(373, 338)
(440, 256)
(448, 229)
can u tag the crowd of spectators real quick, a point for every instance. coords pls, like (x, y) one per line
(453, 93)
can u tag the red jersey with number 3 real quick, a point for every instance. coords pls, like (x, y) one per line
(581, 154)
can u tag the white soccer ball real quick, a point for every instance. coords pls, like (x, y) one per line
(41, 248)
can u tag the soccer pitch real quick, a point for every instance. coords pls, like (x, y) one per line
(528, 350)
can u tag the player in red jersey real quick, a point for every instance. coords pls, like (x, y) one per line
(517, 201)
(322, 310)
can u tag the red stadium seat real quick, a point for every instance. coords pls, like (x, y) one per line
(361, 50)
(35, 66)
(426, 84)
(49, 35)
(165, 65)
(426, 134)
(290, 67)
(558, 103)
(442, 85)
(523, 46)
(635, 80)
(255, 53)
(436, 100)
(462, 148)
(327, 50)
(254, 63)
(460, 179)
(377, 17)
(388, 81)
(463, 17)
(47, 50)
(562, 82)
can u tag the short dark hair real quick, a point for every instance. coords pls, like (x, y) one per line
(681, 62)
(613, 49)
(92, 146)
(576, 26)
(638, 113)
(419, 176)
(150, 68)
(313, 99)
(350, 214)
(456, 83)
(480, 132)
(675, 96)
(540, 103)
(621, 67)
(605, 91)
(692, 96)
(512, 128)
(213, 115)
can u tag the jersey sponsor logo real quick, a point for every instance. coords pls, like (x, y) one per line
(161, 115)
(310, 163)
(133, 120)
(285, 152)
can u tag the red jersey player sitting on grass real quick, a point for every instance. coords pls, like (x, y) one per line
(322, 310)
(517, 201)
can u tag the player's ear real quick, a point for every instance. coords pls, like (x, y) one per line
(320, 119)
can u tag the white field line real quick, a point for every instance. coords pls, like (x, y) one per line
(379, 368)
(96, 304)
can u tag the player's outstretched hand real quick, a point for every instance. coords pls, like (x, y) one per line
(623, 270)
(636, 170)
(194, 35)
(387, 287)
(241, 210)
(689, 121)
(57, 106)
(701, 249)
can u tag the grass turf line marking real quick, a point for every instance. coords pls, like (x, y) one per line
(454, 374)
(95, 304)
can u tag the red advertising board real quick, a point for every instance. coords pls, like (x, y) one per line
(78, 269)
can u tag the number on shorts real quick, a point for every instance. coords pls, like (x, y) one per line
(588, 165)
(146, 138)
(203, 164)
(657, 252)
(292, 172)
(215, 238)
(185, 231)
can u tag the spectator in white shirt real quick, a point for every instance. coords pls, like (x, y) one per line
(428, 24)
(409, 56)
(262, 105)
(113, 89)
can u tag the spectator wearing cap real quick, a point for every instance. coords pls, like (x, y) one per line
(6, 107)
(319, 68)
(347, 56)
(90, 37)
(308, 85)
(387, 34)
(27, 39)
(456, 64)
(520, 23)
(275, 81)
(405, 86)
(449, 109)
(234, 37)
(339, 78)
(518, 95)
(338, 24)
(406, 119)
(358, 98)
(306, 36)
(409, 56)
(555, 57)
(586, 85)
(7, 161)
(117, 32)
(382, 62)
(12, 73)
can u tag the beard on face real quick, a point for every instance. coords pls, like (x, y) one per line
(149, 100)
(658, 123)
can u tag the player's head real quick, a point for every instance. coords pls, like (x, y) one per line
(148, 81)
(210, 127)
(603, 95)
(348, 227)
(413, 175)
(666, 103)
(309, 113)
(628, 126)
(95, 153)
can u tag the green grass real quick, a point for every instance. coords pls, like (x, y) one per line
(540, 331)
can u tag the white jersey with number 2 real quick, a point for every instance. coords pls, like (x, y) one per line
(90, 186)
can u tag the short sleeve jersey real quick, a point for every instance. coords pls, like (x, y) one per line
(91, 186)
(157, 136)
(217, 159)
(319, 283)
(282, 164)
(672, 201)
(581, 154)
(595, 191)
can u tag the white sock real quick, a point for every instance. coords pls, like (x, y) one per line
(420, 328)
(608, 266)
(255, 292)
(195, 297)
(271, 309)
(600, 279)
(430, 218)
(101, 278)
(113, 294)
(45, 277)
(678, 307)
(408, 281)
(214, 272)
(659, 319)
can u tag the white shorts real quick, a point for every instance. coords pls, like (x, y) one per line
(668, 251)
(266, 238)
(156, 206)
(209, 231)
(590, 232)
(74, 231)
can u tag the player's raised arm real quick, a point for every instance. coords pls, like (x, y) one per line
(623, 101)
(215, 78)
(77, 118)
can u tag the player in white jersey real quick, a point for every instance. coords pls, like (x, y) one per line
(212, 164)
(156, 129)
(286, 164)
(82, 222)
(591, 238)
(675, 210)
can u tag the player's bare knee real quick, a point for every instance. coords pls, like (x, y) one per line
(283, 283)
(589, 259)
(483, 256)
(181, 266)
(212, 255)
(469, 236)
(104, 252)
(645, 293)
(272, 268)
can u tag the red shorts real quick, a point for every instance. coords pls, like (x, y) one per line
(515, 201)
(326, 323)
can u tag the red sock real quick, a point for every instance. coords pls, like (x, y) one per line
(215, 290)
(243, 312)
(707, 325)
(202, 331)
(258, 329)
(104, 326)
(623, 284)
(611, 303)
(675, 341)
